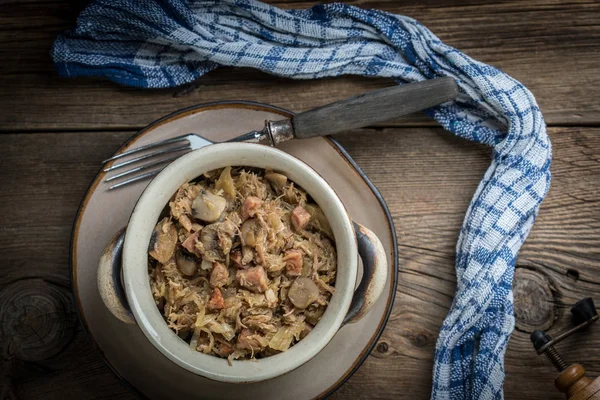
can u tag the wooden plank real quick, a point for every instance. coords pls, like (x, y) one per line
(44, 177)
(427, 178)
(551, 46)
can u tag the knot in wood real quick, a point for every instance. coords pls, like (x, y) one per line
(534, 301)
(37, 320)
(382, 347)
(420, 338)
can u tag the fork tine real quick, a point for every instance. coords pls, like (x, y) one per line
(135, 179)
(146, 147)
(142, 167)
(146, 156)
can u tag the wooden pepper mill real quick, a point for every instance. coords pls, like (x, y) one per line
(572, 380)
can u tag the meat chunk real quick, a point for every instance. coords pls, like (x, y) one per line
(219, 275)
(254, 279)
(251, 204)
(223, 349)
(293, 262)
(216, 301)
(190, 243)
(300, 218)
(250, 340)
(236, 258)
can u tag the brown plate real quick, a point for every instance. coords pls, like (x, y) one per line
(124, 347)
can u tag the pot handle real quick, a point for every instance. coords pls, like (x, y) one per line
(375, 273)
(370, 250)
(109, 279)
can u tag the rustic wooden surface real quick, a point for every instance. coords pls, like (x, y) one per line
(55, 132)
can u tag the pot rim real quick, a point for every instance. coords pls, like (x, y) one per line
(145, 215)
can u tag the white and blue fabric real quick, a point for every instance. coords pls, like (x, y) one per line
(155, 44)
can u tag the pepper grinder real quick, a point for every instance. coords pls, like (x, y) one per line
(572, 380)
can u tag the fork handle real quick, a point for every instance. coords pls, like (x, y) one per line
(373, 107)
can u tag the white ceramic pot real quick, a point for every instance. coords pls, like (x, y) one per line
(137, 305)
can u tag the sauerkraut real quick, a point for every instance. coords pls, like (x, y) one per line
(242, 265)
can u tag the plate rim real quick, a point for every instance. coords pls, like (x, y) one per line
(216, 105)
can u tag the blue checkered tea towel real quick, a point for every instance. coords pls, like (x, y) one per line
(152, 44)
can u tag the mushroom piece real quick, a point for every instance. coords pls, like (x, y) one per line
(226, 230)
(247, 254)
(313, 315)
(206, 265)
(303, 292)
(249, 232)
(209, 237)
(186, 264)
(163, 241)
(208, 206)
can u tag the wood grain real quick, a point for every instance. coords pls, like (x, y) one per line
(427, 177)
(37, 320)
(553, 47)
(534, 301)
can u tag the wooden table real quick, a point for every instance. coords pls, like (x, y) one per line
(54, 133)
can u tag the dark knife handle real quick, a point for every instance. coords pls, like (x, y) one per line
(373, 107)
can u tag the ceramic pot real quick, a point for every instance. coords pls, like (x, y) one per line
(123, 270)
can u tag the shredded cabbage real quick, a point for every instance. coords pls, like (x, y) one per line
(224, 287)
(284, 336)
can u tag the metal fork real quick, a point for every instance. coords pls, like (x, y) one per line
(176, 145)
(338, 117)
